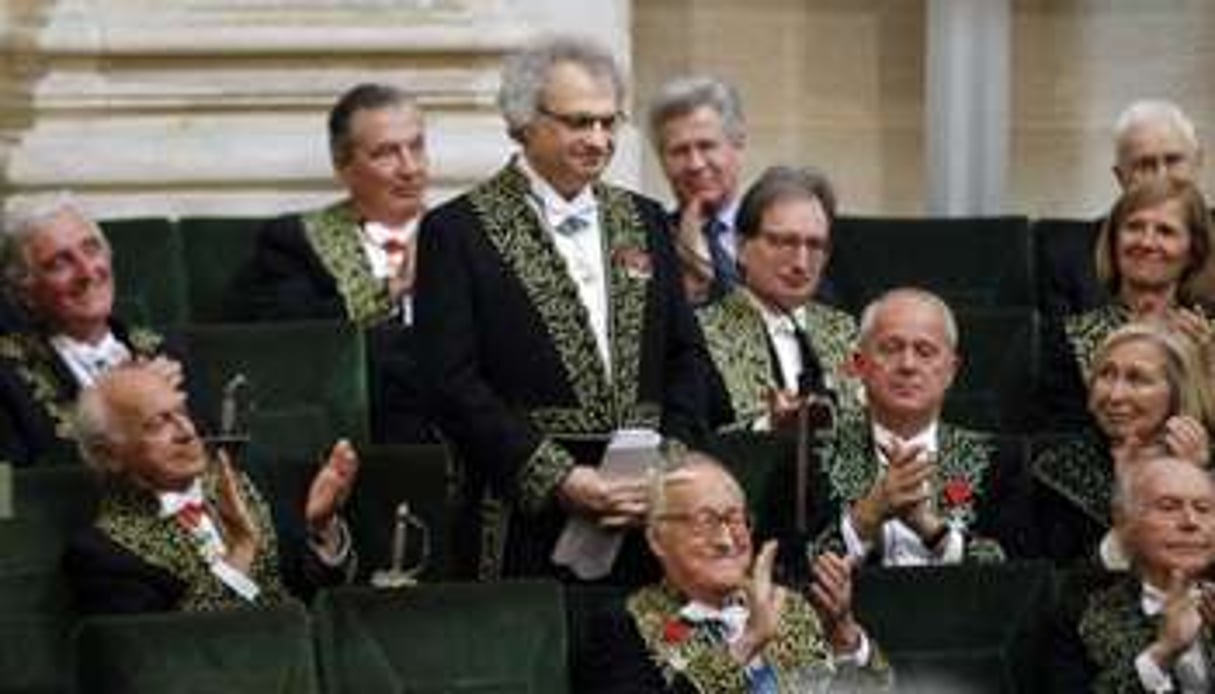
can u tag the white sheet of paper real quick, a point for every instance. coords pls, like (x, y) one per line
(585, 548)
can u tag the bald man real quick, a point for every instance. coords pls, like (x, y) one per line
(179, 530)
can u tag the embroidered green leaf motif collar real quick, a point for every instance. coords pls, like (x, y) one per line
(336, 237)
(707, 665)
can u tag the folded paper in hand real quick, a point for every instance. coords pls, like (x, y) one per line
(587, 549)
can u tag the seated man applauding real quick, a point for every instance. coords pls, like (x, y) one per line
(1149, 629)
(176, 530)
(717, 622)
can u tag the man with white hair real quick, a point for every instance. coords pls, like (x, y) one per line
(57, 266)
(1148, 629)
(549, 316)
(1152, 138)
(914, 489)
(177, 530)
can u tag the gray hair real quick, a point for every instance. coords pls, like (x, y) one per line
(92, 422)
(690, 461)
(778, 184)
(683, 95)
(1153, 112)
(1126, 499)
(25, 217)
(526, 73)
(869, 315)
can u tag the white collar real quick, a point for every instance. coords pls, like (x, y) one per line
(382, 233)
(555, 207)
(778, 322)
(733, 614)
(1151, 599)
(172, 502)
(926, 438)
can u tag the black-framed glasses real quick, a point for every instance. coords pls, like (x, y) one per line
(707, 522)
(584, 122)
(787, 242)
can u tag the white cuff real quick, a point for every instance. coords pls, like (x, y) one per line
(954, 547)
(1151, 676)
(860, 656)
(232, 577)
(856, 546)
(336, 556)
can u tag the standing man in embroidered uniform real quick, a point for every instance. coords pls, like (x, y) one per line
(914, 489)
(1149, 629)
(717, 622)
(550, 316)
(176, 530)
(57, 267)
(353, 259)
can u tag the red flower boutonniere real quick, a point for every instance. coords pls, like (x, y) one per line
(634, 261)
(957, 492)
(675, 631)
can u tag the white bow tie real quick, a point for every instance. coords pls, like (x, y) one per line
(173, 502)
(734, 616)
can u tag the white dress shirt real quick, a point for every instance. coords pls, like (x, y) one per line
(374, 236)
(87, 361)
(582, 250)
(1190, 673)
(901, 546)
(208, 540)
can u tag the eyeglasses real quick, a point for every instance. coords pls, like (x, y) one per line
(584, 122)
(707, 522)
(787, 242)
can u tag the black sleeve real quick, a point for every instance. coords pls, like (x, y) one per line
(617, 660)
(1062, 395)
(1005, 508)
(106, 578)
(284, 279)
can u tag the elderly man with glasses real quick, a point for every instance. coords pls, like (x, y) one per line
(717, 622)
(549, 316)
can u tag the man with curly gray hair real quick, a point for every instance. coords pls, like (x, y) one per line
(549, 316)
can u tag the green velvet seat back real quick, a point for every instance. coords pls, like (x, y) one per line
(149, 276)
(499, 638)
(265, 651)
(389, 475)
(307, 380)
(979, 262)
(214, 250)
(995, 384)
(971, 628)
(49, 505)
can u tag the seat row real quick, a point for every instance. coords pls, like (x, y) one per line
(172, 272)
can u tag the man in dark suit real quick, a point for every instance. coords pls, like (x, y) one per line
(550, 316)
(700, 134)
(57, 266)
(1151, 138)
(717, 622)
(353, 260)
(1148, 629)
(176, 530)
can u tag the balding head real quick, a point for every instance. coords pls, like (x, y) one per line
(1164, 513)
(133, 423)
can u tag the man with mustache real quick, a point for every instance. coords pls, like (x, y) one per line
(176, 530)
(1148, 629)
(58, 268)
(913, 489)
(550, 316)
(353, 259)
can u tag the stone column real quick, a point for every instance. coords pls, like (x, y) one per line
(217, 107)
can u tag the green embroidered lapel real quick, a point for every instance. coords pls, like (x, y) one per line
(832, 335)
(334, 234)
(512, 226)
(1086, 331)
(1114, 631)
(737, 339)
(1080, 470)
(50, 383)
(852, 465)
(797, 653)
(131, 518)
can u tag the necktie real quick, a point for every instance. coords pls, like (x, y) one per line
(571, 225)
(190, 514)
(725, 273)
